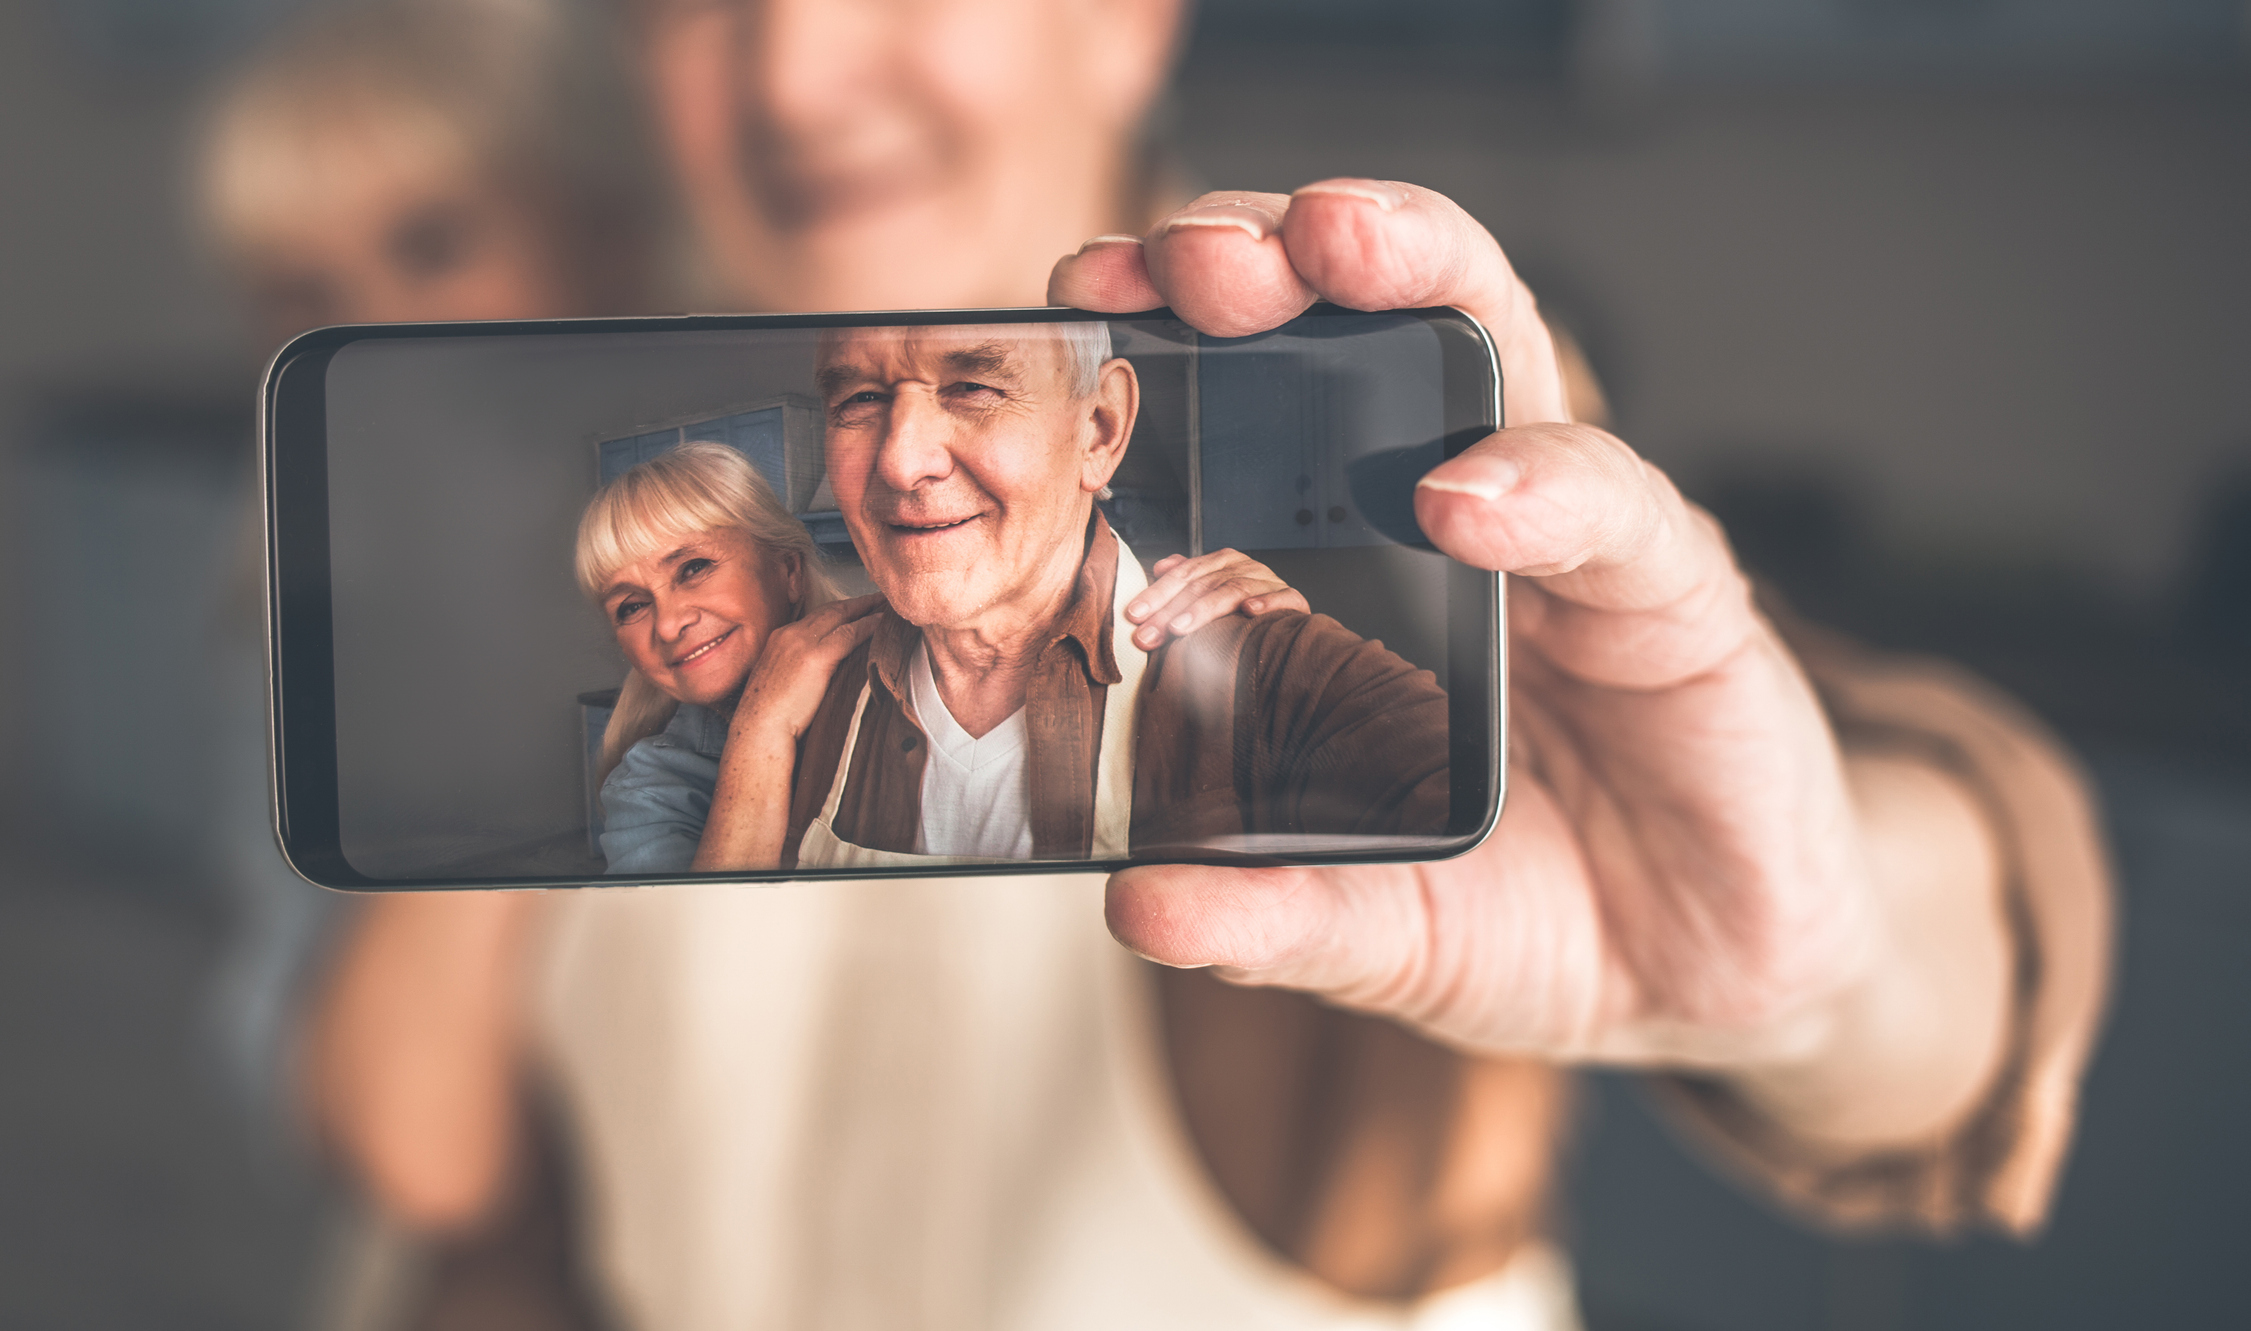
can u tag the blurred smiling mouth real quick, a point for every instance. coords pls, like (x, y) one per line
(701, 652)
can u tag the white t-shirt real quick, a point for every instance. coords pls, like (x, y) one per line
(975, 800)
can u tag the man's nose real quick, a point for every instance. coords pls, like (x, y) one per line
(915, 447)
(807, 61)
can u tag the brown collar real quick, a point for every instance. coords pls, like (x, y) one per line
(1086, 620)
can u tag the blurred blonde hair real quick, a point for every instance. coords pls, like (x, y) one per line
(530, 94)
(696, 487)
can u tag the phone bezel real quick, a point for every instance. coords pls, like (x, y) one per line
(300, 638)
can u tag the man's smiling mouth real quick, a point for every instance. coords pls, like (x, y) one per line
(920, 527)
(702, 651)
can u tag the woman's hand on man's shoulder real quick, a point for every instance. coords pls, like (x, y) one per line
(793, 671)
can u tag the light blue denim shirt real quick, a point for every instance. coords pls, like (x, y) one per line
(658, 797)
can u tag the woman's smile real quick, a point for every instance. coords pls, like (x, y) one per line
(700, 653)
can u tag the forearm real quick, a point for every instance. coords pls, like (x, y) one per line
(750, 805)
(1902, 1052)
(413, 1052)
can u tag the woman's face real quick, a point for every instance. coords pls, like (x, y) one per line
(388, 243)
(897, 153)
(694, 618)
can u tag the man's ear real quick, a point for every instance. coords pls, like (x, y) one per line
(1116, 404)
(793, 569)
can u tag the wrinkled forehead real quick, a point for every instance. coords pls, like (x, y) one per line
(1017, 352)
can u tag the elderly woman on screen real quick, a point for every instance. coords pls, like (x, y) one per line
(732, 625)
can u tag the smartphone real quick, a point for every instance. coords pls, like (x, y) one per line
(519, 574)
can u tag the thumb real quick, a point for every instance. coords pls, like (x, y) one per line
(1306, 928)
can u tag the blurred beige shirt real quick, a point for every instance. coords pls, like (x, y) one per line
(931, 1103)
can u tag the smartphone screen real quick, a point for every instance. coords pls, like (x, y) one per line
(522, 573)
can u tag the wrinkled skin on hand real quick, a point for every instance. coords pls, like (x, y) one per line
(1677, 874)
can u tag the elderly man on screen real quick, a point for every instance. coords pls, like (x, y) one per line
(1004, 710)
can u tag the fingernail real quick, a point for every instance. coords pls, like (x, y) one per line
(1382, 194)
(1181, 623)
(1135, 610)
(1479, 478)
(1109, 240)
(1249, 221)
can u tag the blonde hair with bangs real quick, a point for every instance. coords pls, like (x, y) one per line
(696, 487)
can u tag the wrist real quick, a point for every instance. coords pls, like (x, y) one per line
(1910, 1046)
(756, 731)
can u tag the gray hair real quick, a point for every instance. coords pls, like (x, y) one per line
(1086, 347)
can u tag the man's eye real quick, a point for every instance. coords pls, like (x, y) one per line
(968, 389)
(861, 406)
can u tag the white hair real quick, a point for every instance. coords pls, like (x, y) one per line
(1086, 348)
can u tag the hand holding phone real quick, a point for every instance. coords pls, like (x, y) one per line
(1677, 857)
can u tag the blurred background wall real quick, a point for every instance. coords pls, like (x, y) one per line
(1945, 305)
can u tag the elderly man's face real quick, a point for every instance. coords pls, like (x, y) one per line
(902, 153)
(965, 463)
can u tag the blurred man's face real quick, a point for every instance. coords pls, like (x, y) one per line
(858, 154)
(965, 465)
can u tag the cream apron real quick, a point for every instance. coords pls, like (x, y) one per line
(822, 848)
(914, 1104)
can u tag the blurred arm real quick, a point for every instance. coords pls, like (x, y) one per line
(1990, 829)
(413, 1052)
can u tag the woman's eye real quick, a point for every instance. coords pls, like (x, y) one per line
(691, 569)
(431, 242)
(629, 610)
(298, 300)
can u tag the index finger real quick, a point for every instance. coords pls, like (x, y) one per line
(1233, 264)
(1383, 245)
